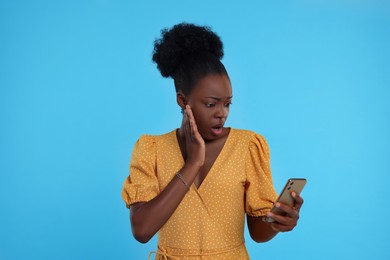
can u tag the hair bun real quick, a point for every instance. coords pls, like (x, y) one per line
(181, 42)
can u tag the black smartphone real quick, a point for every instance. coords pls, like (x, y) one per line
(293, 184)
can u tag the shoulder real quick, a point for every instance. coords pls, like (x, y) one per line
(147, 139)
(147, 146)
(252, 142)
(248, 135)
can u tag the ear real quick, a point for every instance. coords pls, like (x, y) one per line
(181, 99)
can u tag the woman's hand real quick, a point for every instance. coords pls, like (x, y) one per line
(290, 220)
(143, 214)
(195, 145)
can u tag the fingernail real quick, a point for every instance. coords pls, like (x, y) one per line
(277, 204)
(269, 214)
(293, 194)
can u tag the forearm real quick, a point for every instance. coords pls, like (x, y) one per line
(147, 218)
(259, 230)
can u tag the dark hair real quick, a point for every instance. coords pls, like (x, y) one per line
(187, 53)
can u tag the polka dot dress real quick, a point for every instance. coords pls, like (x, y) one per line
(209, 222)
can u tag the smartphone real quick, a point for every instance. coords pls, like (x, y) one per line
(293, 184)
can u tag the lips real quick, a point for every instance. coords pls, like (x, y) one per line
(217, 129)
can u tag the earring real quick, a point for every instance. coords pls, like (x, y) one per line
(182, 111)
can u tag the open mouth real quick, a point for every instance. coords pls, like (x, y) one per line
(217, 130)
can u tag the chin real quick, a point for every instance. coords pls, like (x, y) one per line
(207, 137)
(210, 137)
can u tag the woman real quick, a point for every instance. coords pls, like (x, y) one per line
(195, 185)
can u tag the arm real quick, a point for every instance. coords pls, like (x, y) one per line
(262, 231)
(148, 217)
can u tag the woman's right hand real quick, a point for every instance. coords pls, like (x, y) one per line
(143, 214)
(195, 145)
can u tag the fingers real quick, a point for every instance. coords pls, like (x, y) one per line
(187, 127)
(280, 227)
(283, 223)
(290, 219)
(193, 128)
(195, 145)
(191, 121)
(298, 200)
(291, 214)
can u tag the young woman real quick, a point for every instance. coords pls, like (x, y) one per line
(195, 185)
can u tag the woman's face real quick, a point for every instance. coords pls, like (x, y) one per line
(210, 100)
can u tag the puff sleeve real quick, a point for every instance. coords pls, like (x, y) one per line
(260, 193)
(142, 184)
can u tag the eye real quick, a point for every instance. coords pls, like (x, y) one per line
(210, 104)
(228, 104)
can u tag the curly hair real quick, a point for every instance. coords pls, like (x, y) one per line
(188, 52)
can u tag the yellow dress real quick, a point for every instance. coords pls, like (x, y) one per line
(209, 222)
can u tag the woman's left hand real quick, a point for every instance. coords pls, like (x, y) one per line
(289, 221)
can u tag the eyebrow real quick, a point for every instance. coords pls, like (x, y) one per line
(219, 99)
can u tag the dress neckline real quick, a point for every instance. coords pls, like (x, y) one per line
(217, 159)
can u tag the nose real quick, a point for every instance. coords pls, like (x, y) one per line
(222, 112)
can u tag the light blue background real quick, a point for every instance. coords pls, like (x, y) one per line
(77, 89)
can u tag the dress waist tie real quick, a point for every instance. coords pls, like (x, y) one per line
(167, 256)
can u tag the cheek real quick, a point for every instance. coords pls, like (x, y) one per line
(201, 117)
(227, 111)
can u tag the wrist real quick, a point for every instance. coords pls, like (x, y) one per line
(189, 172)
(192, 167)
